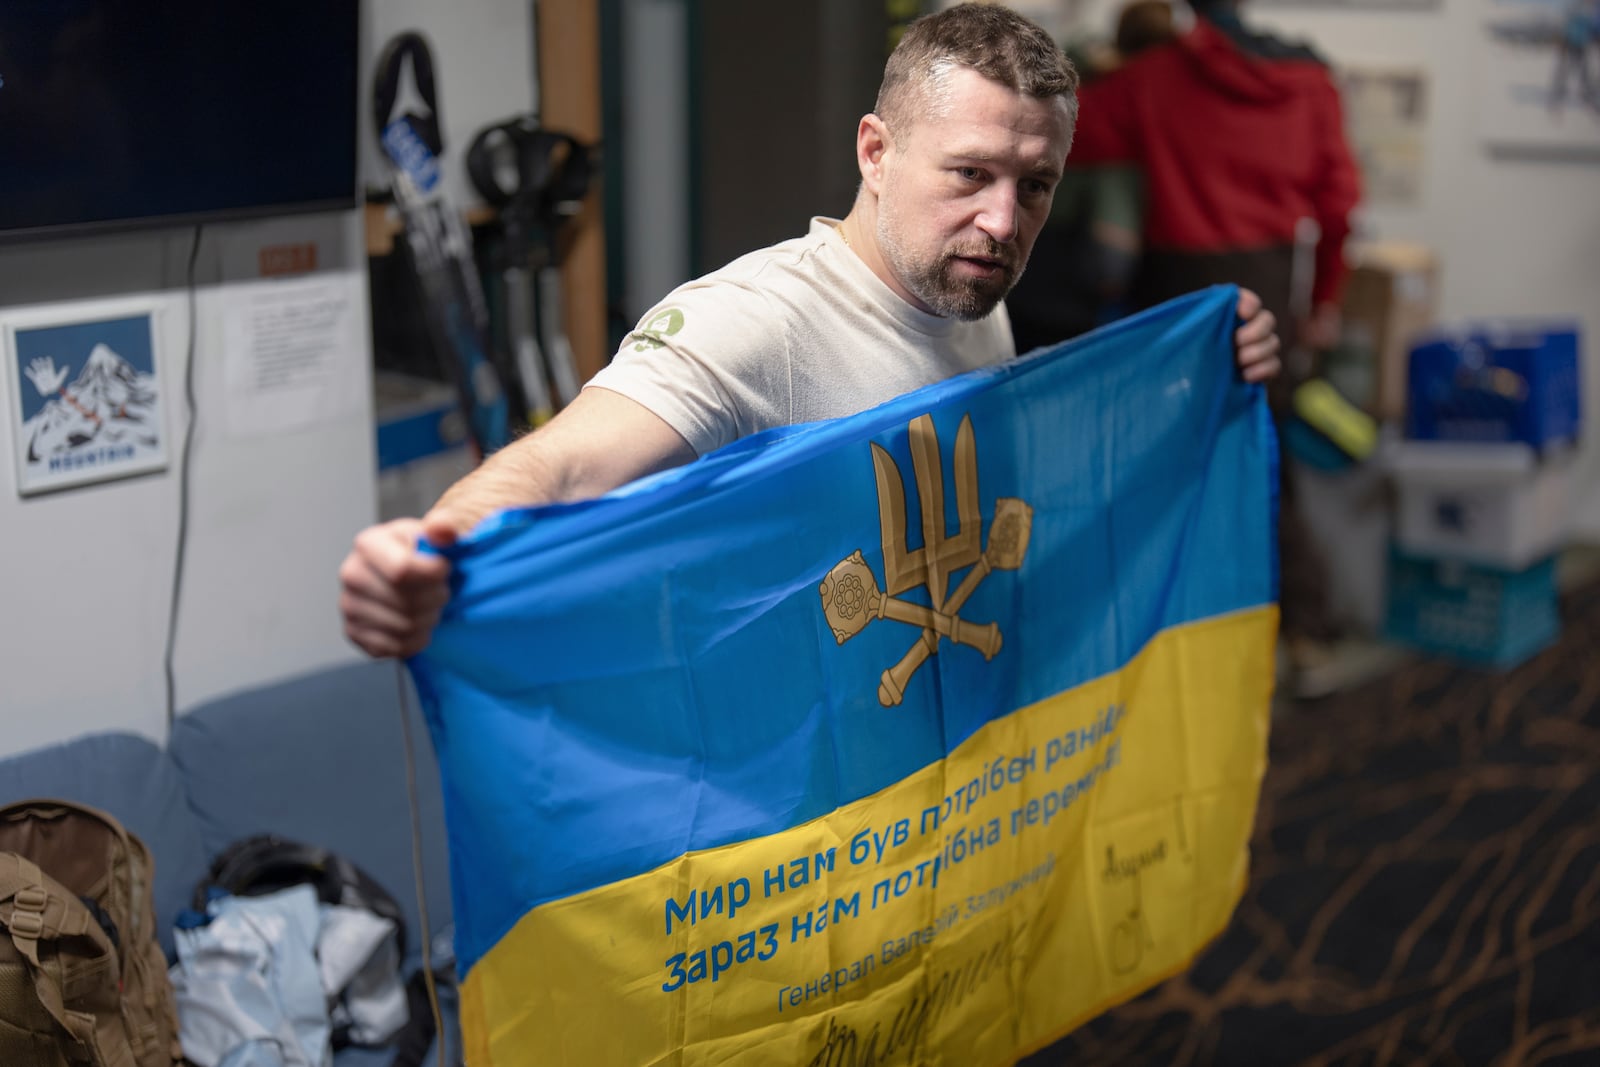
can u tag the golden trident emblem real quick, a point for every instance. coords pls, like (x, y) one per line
(850, 595)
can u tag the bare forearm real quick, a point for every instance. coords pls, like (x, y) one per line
(599, 442)
(519, 475)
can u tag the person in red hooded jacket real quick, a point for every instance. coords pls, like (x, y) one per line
(1240, 137)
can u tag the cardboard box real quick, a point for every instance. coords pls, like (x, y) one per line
(1390, 299)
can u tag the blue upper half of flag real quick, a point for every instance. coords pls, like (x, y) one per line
(618, 682)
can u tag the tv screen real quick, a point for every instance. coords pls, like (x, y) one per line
(122, 113)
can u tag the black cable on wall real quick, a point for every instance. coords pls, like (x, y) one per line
(183, 484)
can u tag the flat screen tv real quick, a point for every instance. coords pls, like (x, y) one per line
(117, 114)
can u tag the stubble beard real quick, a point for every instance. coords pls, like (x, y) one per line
(934, 280)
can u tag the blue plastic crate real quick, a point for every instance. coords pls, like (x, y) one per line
(1496, 382)
(1470, 612)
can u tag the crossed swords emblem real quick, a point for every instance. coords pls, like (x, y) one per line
(851, 598)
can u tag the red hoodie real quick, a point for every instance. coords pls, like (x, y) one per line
(1236, 145)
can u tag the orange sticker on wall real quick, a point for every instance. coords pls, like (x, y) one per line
(278, 260)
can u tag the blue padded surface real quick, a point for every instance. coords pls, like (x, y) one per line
(130, 777)
(321, 759)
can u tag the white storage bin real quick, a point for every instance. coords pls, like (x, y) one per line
(1491, 503)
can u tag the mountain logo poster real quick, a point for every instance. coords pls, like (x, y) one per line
(87, 399)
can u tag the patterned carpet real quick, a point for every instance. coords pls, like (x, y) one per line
(1425, 888)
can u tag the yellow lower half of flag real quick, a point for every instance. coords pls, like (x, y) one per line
(1057, 862)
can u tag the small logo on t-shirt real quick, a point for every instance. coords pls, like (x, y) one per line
(653, 334)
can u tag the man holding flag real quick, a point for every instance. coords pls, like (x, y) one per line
(924, 716)
(958, 161)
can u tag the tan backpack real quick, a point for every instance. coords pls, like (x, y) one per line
(83, 980)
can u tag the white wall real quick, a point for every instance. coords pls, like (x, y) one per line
(483, 72)
(1514, 236)
(87, 572)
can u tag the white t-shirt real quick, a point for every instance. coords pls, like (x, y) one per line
(797, 332)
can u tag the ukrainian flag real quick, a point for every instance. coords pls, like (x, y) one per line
(915, 737)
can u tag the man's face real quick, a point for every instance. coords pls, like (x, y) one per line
(965, 192)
